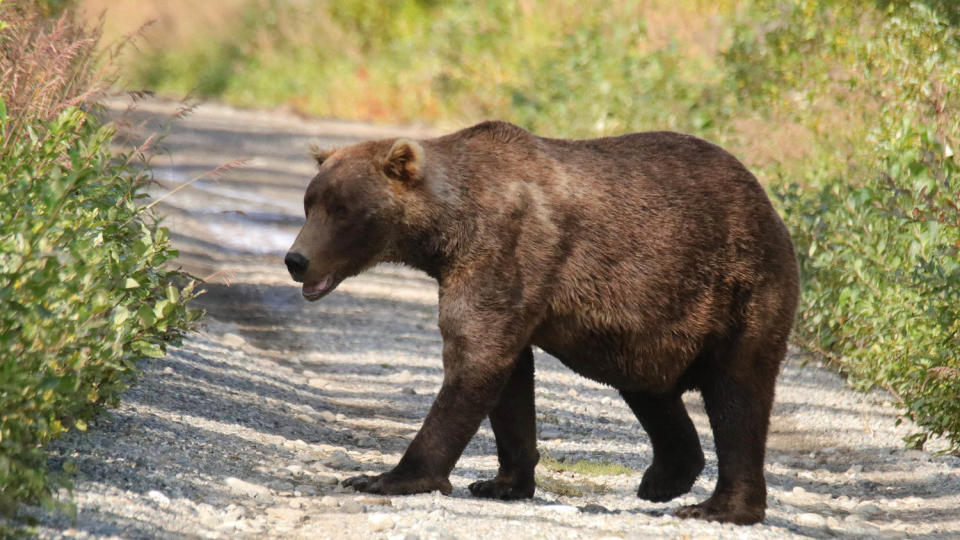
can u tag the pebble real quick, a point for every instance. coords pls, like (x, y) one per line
(550, 433)
(305, 489)
(814, 521)
(158, 497)
(280, 485)
(376, 501)
(338, 459)
(327, 416)
(247, 488)
(351, 507)
(866, 510)
(233, 340)
(381, 522)
(326, 480)
(285, 513)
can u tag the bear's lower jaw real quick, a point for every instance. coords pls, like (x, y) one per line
(317, 291)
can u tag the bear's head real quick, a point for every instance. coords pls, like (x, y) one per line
(354, 207)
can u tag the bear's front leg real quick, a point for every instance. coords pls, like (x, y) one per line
(464, 400)
(513, 419)
(477, 363)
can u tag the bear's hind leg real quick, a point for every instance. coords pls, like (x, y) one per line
(738, 399)
(514, 425)
(677, 456)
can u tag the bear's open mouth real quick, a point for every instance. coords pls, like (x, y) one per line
(319, 290)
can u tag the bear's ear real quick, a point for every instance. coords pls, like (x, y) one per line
(404, 160)
(320, 155)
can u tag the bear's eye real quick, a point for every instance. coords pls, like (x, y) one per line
(338, 211)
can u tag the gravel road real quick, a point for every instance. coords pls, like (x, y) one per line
(245, 430)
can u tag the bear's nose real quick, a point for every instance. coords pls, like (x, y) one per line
(297, 265)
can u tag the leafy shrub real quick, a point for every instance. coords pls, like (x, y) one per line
(83, 288)
(879, 234)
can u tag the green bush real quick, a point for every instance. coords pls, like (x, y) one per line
(878, 232)
(83, 288)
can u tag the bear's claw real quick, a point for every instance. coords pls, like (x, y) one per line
(710, 511)
(396, 484)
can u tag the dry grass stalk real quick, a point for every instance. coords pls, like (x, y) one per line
(45, 66)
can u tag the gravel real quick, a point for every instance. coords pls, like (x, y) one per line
(245, 430)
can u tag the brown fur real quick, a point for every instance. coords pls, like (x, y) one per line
(652, 262)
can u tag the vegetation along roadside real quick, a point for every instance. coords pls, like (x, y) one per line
(84, 287)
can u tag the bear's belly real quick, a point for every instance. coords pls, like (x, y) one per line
(623, 359)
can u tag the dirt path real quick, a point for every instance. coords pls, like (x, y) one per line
(245, 430)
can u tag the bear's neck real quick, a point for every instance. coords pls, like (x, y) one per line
(434, 247)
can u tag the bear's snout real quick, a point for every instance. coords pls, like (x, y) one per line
(297, 265)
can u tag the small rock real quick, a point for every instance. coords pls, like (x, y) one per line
(305, 489)
(246, 488)
(158, 497)
(306, 418)
(866, 510)
(338, 459)
(550, 433)
(573, 393)
(280, 485)
(381, 522)
(327, 416)
(595, 509)
(283, 513)
(409, 391)
(327, 500)
(376, 501)
(326, 480)
(168, 370)
(814, 521)
(233, 340)
(351, 507)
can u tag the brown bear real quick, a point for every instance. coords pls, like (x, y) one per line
(651, 262)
